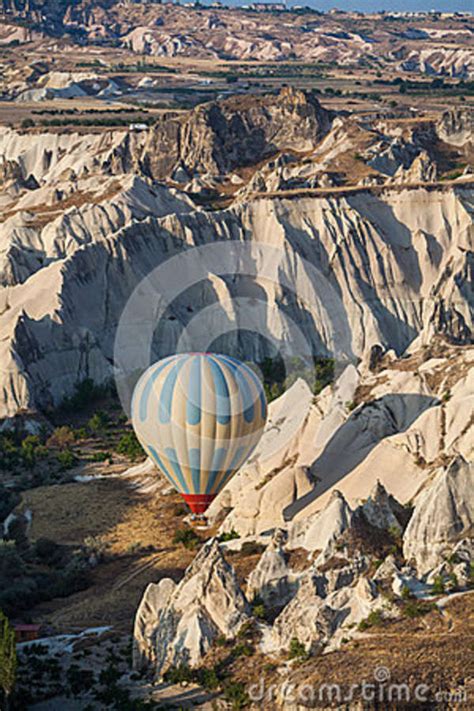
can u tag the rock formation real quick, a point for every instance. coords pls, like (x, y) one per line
(443, 515)
(176, 624)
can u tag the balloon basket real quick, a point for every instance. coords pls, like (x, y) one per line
(198, 503)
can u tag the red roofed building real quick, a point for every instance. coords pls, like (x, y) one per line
(26, 633)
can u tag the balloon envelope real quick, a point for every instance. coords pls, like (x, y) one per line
(199, 416)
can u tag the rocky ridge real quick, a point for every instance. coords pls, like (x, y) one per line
(396, 261)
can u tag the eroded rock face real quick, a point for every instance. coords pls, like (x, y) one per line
(67, 281)
(455, 127)
(320, 531)
(382, 510)
(218, 137)
(177, 624)
(443, 515)
(316, 617)
(272, 581)
(412, 414)
(152, 603)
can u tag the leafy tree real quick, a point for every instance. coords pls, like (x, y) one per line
(62, 437)
(8, 662)
(98, 422)
(130, 446)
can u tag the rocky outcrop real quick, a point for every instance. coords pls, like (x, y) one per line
(354, 452)
(320, 531)
(318, 617)
(176, 624)
(272, 581)
(455, 127)
(443, 515)
(220, 137)
(381, 510)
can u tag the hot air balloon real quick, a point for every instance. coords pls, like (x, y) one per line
(199, 416)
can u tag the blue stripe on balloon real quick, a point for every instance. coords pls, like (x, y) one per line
(256, 380)
(166, 397)
(193, 403)
(261, 392)
(222, 403)
(159, 461)
(235, 463)
(148, 388)
(173, 459)
(217, 458)
(195, 464)
(238, 459)
(247, 397)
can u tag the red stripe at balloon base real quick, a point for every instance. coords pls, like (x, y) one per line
(198, 503)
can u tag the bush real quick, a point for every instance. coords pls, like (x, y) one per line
(27, 123)
(242, 649)
(373, 620)
(259, 611)
(101, 456)
(297, 650)
(66, 459)
(417, 608)
(62, 438)
(98, 422)
(31, 449)
(235, 693)
(438, 585)
(129, 446)
(178, 675)
(187, 537)
(228, 536)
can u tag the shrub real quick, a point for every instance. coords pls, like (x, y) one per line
(129, 446)
(228, 536)
(438, 585)
(374, 619)
(8, 660)
(66, 459)
(27, 123)
(62, 437)
(209, 679)
(100, 456)
(178, 675)
(187, 537)
(297, 650)
(235, 693)
(242, 649)
(417, 608)
(31, 449)
(259, 611)
(98, 422)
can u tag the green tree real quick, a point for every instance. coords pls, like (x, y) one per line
(7, 658)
